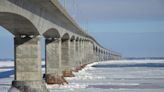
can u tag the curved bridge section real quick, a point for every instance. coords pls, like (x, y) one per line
(68, 47)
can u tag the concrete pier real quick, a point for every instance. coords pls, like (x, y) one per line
(91, 52)
(66, 63)
(53, 73)
(72, 53)
(77, 55)
(28, 76)
(86, 59)
(79, 52)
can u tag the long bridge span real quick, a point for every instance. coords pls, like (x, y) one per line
(68, 47)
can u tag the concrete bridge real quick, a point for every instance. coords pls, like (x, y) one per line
(68, 47)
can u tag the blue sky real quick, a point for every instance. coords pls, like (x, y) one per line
(134, 28)
(131, 27)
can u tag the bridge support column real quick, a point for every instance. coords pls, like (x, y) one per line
(72, 54)
(98, 56)
(104, 56)
(53, 61)
(82, 52)
(77, 56)
(94, 54)
(86, 57)
(66, 64)
(79, 48)
(107, 56)
(90, 52)
(86, 60)
(28, 76)
(101, 56)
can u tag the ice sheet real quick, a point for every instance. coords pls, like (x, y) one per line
(115, 79)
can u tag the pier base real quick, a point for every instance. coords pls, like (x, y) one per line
(50, 79)
(79, 68)
(68, 73)
(28, 86)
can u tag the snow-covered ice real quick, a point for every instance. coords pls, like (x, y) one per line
(107, 79)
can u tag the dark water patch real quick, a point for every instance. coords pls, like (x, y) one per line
(157, 65)
(6, 67)
(43, 66)
(6, 74)
(9, 67)
(5, 84)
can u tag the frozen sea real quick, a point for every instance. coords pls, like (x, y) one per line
(105, 76)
